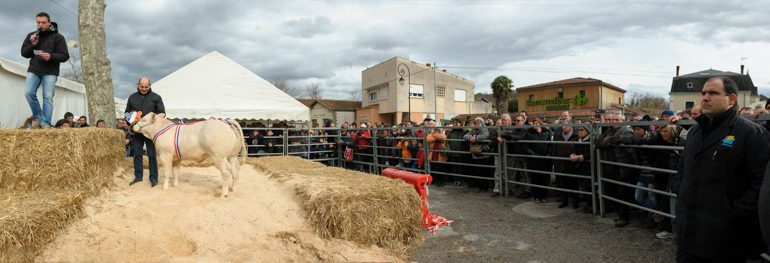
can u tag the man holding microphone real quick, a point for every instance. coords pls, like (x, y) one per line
(46, 49)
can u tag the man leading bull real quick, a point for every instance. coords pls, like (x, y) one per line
(144, 101)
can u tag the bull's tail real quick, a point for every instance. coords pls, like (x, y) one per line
(239, 134)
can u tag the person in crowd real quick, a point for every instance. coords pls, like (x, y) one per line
(477, 138)
(404, 143)
(457, 145)
(122, 125)
(362, 140)
(494, 148)
(269, 142)
(46, 49)
(613, 172)
(666, 114)
(144, 101)
(100, 124)
(747, 112)
(724, 163)
(505, 123)
(82, 122)
(70, 118)
(30, 123)
(437, 142)
(566, 134)
(581, 157)
(384, 144)
(517, 133)
(538, 133)
(256, 142)
(764, 213)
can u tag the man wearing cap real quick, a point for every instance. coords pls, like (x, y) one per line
(723, 166)
(666, 114)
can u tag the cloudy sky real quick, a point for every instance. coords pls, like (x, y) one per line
(635, 45)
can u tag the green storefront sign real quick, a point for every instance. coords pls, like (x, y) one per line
(559, 103)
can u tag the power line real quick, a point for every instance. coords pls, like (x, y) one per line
(65, 8)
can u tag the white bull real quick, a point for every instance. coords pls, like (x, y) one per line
(218, 140)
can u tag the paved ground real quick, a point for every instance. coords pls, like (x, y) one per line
(502, 229)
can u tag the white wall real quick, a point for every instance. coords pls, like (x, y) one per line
(14, 108)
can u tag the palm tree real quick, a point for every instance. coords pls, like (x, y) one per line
(502, 92)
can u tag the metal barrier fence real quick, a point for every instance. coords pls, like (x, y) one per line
(507, 165)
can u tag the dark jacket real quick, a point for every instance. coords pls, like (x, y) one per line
(764, 212)
(150, 102)
(664, 159)
(564, 150)
(49, 41)
(584, 167)
(722, 170)
(617, 154)
(455, 144)
(514, 135)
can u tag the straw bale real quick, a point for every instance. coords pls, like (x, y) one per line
(29, 220)
(45, 175)
(355, 206)
(81, 159)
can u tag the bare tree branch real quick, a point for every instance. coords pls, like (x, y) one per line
(292, 91)
(313, 91)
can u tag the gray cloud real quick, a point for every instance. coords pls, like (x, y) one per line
(330, 42)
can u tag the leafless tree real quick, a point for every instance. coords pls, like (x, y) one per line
(292, 91)
(75, 72)
(355, 94)
(313, 91)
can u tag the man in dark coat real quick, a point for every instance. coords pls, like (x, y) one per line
(46, 49)
(764, 212)
(144, 101)
(622, 174)
(722, 171)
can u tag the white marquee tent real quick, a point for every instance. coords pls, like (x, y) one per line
(216, 86)
(69, 96)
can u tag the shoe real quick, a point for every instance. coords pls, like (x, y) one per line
(153, 183)
(563, 204)
(621, 223)
(132, 183)
(664, 235)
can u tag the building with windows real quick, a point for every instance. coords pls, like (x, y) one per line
(388, 96)
(336, 111)
(581, 96)
(686, 89)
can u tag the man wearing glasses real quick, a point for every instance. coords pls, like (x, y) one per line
(517, 148)
(621, 174)
(723, 167)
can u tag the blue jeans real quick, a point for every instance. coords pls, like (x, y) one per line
(137, 142)
(33, 82)
(644, 197)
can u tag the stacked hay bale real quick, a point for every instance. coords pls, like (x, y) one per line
(344, 204)
(45, 176)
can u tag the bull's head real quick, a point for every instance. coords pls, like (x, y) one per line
(145, 125)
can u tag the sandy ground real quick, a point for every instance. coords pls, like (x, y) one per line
(261, 221)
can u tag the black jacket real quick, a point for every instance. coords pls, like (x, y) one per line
(564, 150)
(49, 41)
(150, 102)
(764, 211)
(722, 170)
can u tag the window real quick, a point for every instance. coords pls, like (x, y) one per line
(619, 101)
(582, 93)
(415, 90)
(531, 97)
(689, 104)
(441, 91)
(384, 92)
(372, 95)
(459, 95)
(689, 85)
(561, 94)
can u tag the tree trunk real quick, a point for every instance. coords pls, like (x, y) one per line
(94, 61)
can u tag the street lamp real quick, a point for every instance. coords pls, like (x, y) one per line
(403, 69)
